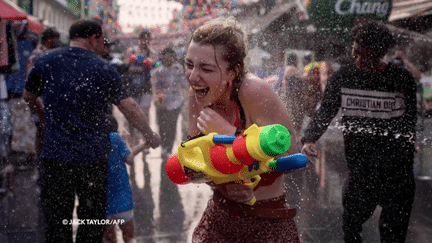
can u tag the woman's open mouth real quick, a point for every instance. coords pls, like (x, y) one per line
(201, 92)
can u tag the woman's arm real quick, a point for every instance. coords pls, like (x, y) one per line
(263, 107)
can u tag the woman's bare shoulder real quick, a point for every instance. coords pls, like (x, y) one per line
(253, 87)
(257, 97)
(261, 102)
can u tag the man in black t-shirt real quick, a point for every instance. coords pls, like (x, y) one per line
(378, 104)
(77, 87)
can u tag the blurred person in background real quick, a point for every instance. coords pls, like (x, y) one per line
(292, 91)
(313, 95)
(137, 79)
(106, 52)
(113, 58)
(307, 58)
(169, 88)
(274, 71)
(50, 39)
(326, 72)
(262, 70)
(314, 87)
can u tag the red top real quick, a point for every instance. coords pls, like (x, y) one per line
(238, 122)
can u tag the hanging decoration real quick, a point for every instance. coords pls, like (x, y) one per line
(107, 11)
(196, 12)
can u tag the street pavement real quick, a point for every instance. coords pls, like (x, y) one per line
(167, 213)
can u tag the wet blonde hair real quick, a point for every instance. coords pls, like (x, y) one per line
(228, 34)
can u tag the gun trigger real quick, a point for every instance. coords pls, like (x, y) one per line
(256, 165)
(250, 168)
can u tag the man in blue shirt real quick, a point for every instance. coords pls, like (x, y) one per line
(76, 88)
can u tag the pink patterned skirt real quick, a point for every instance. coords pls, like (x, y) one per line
(225, 221)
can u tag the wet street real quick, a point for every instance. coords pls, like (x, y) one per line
(166, 213)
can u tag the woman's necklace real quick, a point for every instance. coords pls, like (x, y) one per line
(226, 110)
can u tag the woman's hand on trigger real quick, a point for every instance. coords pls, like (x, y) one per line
(210, 121)
(236, 192)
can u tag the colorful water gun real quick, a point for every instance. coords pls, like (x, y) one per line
(229, 158)
(143, 60)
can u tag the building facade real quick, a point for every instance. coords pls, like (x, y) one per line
(52, 13)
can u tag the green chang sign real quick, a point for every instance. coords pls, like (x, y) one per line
(339, 15)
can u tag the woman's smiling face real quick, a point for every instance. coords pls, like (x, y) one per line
(207, 73)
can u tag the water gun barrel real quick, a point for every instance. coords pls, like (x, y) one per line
(226, 139)
(175, 171)
(288, 163)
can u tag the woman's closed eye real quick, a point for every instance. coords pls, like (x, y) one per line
(189, 65)
(205, 69)
(208, 68)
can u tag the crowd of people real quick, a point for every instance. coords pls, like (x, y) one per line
(71, 91)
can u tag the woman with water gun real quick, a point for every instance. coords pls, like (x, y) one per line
(225, 99)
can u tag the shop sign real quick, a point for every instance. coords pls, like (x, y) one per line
(336, 15)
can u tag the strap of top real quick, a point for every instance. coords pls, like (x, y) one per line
(242, 114)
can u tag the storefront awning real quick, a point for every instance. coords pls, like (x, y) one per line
(403, 9)
(256, 24)
(9, 11)
(34, 25)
